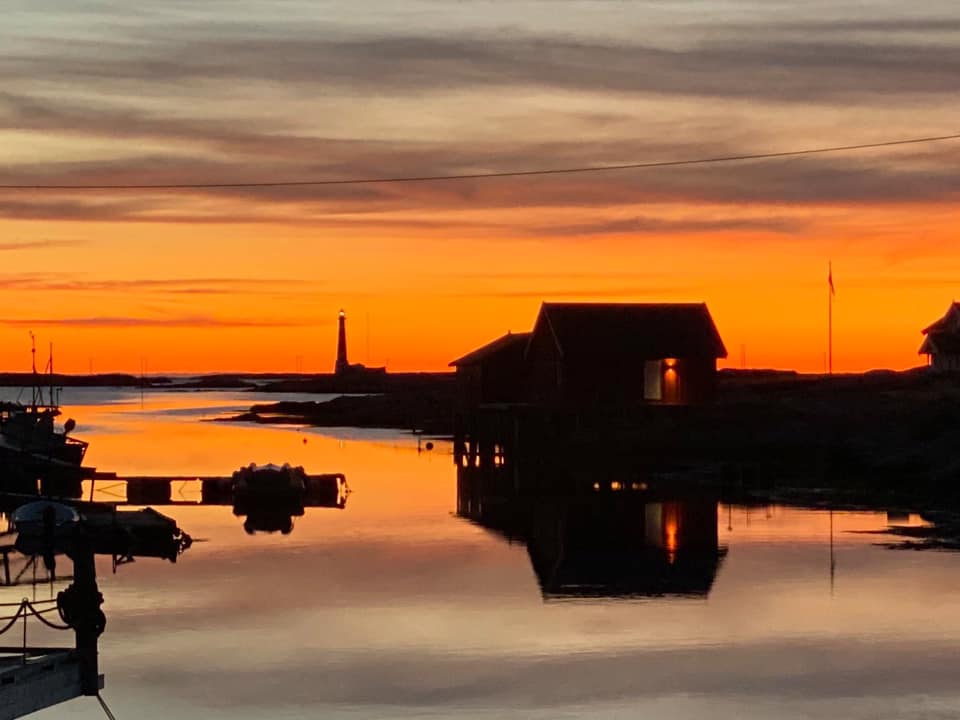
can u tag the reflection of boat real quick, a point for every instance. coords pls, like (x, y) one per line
(137, 533)
(268, 521)
(43, 516)
(123, 534)
(270, 496)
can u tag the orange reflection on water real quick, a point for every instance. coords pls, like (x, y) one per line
(671, 522)
(169, 435)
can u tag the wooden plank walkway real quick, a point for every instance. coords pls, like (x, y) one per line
(42, 678)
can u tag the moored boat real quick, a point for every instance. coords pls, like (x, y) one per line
(33, 449)
(269, 484)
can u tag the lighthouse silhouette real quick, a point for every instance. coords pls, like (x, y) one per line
(342, 365)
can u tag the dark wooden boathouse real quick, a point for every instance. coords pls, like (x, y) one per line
(495, 372)
(587, 374)
(586, 355)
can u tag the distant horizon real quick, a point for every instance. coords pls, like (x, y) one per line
(294, 373)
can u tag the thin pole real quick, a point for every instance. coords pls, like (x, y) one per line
(833, 561)
(830, 320)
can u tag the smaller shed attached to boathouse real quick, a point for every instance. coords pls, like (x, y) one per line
(494, 373)
(942, 342)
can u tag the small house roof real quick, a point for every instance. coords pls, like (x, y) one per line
(505, 343)
(945, 323)
(943, 343)
(638, 330)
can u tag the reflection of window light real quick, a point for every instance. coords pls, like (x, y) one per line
(670, 531)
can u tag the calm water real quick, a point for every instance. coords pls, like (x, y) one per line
(395, 607)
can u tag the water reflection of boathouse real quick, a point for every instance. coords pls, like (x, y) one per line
(610, 539)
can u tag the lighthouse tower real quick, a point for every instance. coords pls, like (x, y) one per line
(342, 365)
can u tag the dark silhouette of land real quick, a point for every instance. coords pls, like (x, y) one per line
(25, 379)
(881, 432)
(325, 383)
(425, 402)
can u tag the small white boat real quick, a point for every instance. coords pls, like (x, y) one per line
(280, 481)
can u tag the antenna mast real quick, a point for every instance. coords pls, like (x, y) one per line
(53, 401)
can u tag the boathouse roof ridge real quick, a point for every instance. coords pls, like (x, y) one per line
(511, 339)
(639, 330)
(944, 322)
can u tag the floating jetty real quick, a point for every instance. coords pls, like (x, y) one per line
(323, 490)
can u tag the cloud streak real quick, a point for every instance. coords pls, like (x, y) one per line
(15, 245)
(188, 321)
(796, 64)
(50, 282)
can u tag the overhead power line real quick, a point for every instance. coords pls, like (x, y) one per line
(481, 175)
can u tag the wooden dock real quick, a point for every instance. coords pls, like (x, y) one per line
(33, 679)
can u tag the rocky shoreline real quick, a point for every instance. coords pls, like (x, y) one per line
(879, 432)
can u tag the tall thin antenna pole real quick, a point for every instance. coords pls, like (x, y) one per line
(830, 318)
(33, 365)
(833, 560)
(50, 362)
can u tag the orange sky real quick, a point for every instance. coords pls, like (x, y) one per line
(252, 280)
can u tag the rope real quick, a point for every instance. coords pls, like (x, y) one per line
(27, 608)
(106, 710)
(48, 623)
(12, 620)
(35, 602)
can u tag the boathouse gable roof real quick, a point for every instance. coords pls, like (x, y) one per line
(631, 330)
(950, 322)
(943, 336)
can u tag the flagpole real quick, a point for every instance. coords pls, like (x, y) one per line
(830, 318)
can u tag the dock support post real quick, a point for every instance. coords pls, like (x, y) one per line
(87, 617)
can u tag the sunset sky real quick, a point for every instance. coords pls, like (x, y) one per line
(216, 91)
